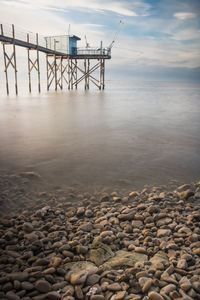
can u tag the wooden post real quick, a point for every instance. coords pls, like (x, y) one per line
(61, 72)
(47, 71)
(55, 70)
(103, 74)
(6, 72)
(38, 64)
(29, 66)
(100, 71)
(14, 57)
(68, 72)
(85, 73)
(1, 29)
(76, 71)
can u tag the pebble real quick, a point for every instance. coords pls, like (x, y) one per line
(43, 286)
(142, 246)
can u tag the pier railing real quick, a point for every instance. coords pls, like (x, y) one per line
(17, 33)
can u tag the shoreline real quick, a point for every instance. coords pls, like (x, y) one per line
(144, 245)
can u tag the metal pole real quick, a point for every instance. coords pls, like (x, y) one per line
(29, 67)
(15, 66)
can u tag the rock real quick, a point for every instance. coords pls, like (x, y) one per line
(159, 257)
(167, 289)
(81, 249)
(53, 295)
(119, 295)
(163, 221)
(87, 227)
(12, 296)
(145, 283)
(163, 232)
(55, 261)
(99, 253)
(93, 279)
(78, 292)
(185, 283)
(26, 285)
(20, 276)
(155, 296)
(124, 259)
(43, 286)
(182, 264)
(28, 227)
(79, 277)
(97, 297)
(114, 287)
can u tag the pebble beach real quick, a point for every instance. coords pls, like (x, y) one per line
(140, 245)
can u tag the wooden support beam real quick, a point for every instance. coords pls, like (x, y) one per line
(14, 57)
(38, 64)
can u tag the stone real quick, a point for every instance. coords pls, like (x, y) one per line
(12, 296)
(43, 286)
(145, 283)
(119, 295)
(185, 284)
(159, 257)
(163, 232)
(26, 285)
(86, 227)
(93, 279)
(55, 261)
(27, 227)
(78, 292)
(99, 253)
(53, 295)
(114, 287)
(124, 259)
(79, 277)
(97, 297)
(167, 289)
(155, 296)
(163, 221)
(20, 276)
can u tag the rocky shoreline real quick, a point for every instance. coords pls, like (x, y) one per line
(145, 245)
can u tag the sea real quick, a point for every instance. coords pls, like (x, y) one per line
(130, 135)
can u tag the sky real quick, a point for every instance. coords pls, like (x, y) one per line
(158, 40)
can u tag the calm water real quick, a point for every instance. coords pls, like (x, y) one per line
(126, 136)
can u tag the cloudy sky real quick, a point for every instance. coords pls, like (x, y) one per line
(159, 39)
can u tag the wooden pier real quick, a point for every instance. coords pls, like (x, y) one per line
(62, 69)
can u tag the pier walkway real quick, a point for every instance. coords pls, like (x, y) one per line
(61, 67)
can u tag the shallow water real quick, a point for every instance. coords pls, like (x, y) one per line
(126, 136)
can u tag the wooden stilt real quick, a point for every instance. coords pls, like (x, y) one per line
(14, 57)
(55, 72)
(103, 73)
(29, 65)
(76, 73)
(47, 71)
(68, 72)
(6, 72)
(38, 64)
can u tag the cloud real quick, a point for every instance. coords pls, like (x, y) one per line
(187, 34)
(185, 15)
